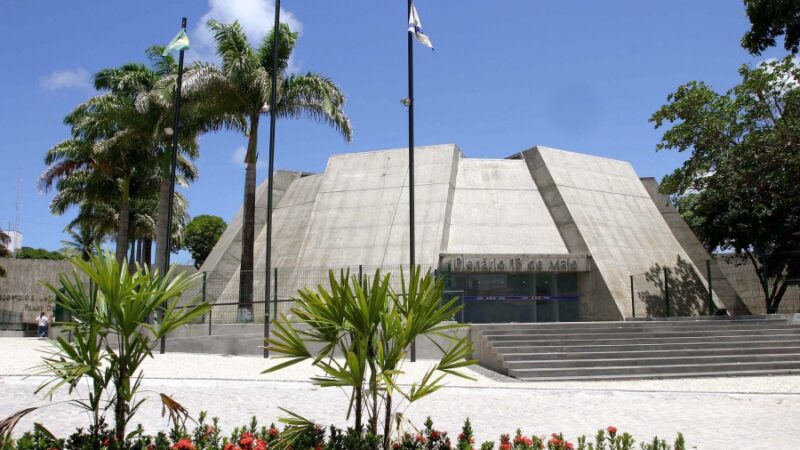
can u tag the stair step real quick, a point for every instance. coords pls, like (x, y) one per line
(630, 324)
(736, 373)
(620, 347)
(652, 340)
(655, 370)
(623, 360)
(638, 334)
(559, 355)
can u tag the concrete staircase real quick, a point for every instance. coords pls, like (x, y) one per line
(705, 347)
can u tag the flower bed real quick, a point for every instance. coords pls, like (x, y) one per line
(208, 436)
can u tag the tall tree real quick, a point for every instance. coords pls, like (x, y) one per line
(241, 86)
(201, 234)
(116, 154)
(770, 19)
(198, 115)
(738, 188)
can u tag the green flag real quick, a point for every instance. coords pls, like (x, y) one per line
(180, 42)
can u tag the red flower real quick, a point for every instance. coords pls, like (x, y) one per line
(612, 430)
(183, 444)
(568, 445)
(435, 435)
(273, 431)
(421, 439)
(505, 446)
(246, 441)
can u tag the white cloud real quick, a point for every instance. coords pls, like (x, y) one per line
(65, 79)
(237, 157)
(256, 17)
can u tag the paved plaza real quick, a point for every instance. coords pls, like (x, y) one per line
(713, 413)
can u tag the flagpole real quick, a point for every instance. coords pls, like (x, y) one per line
(411, 159)
(173, 163)
(272, 105)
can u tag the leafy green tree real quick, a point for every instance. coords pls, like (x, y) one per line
(38, 253)
(112, 333)
(372, 327)
(201, 234)
(241, 86)
(738, 188)
(770, 19)
(4, 252)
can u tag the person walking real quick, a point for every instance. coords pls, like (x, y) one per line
(42, 326)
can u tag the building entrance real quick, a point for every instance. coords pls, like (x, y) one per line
(516, 297)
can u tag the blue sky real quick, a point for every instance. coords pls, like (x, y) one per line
(506, 75)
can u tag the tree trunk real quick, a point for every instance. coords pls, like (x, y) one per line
(124, 220)
(148, 248)
(387, 422)
(162, 246)
(248, 227)
(358, 403)
(121, 407)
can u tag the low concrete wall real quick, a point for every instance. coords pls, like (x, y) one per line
(23, 295)
(247, 339)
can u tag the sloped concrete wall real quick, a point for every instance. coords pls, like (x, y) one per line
(361, 212)
(602, 208)
(223, 261)
(723, 291)
(497, 209)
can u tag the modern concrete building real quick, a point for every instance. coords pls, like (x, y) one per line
(543, 235)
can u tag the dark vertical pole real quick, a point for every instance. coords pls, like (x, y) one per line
(411, 158)
(666, 289)
(270, 184)
(710, 289)
(176, 127)
(275, 296)
(633, 301)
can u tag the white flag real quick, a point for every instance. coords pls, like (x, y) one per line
(415, 26)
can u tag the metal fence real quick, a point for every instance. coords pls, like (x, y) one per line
(223, 290)
(672, 291)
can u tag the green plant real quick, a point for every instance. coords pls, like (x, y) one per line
(200, 236)
(466, 438)
(111, 332)
(242, 86)
(372, 327)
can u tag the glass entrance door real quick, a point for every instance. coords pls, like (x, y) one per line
(517, 297)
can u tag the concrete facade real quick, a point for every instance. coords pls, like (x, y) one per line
(541, 210)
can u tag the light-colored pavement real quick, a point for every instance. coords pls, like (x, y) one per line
(713, 413)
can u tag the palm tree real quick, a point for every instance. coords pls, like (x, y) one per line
(118, 143)
(85, 239)
(242, 86)
(157, 101)
(4, 253)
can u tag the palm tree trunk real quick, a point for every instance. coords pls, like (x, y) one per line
(120, 407)
(124, 220)
(132, 254)
(248, 227)
(387, 422)
(148, 248)
(161, 222)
